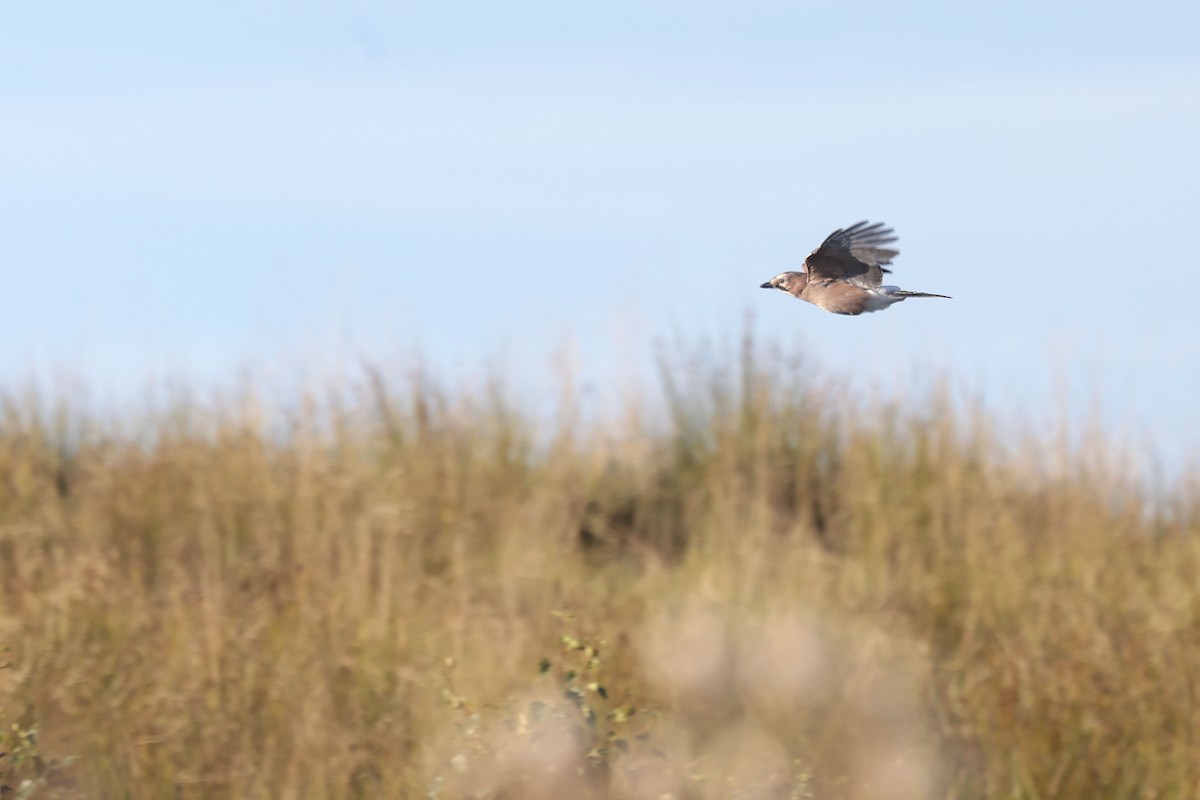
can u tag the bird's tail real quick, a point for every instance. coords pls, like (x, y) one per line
(906, 293)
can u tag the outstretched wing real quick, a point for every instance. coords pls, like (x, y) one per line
(855, 255)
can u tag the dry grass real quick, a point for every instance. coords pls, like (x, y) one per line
(408, 592)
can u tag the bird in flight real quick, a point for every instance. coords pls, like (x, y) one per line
(845, 274)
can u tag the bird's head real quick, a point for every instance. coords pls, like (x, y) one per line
(791, 282)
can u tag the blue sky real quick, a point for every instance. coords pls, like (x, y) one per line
(193, 188)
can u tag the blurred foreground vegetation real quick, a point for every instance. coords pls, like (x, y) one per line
(746, 584)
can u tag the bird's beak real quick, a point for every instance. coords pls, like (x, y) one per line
(767, 285)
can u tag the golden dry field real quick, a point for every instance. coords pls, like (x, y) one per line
(748, 582)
